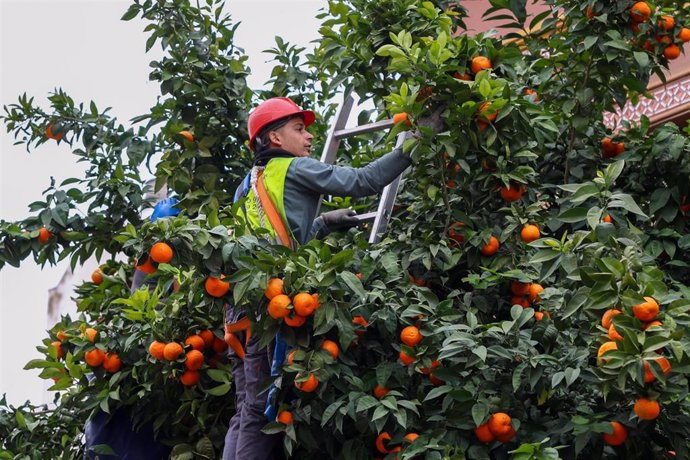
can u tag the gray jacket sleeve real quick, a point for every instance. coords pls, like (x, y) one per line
(328, 179)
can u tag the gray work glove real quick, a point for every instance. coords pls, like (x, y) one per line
(433, 121)
(340, 219)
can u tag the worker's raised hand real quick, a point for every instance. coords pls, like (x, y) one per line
(165, 208)
(432, 121)
(340, 219)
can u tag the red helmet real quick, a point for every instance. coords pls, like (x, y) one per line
(273, 110)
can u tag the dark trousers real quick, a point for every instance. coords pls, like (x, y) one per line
(244, 439)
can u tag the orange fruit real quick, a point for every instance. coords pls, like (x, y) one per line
(294, 320)
(215, 287)
(274, 287)
(434, 364)
(400, 117)
(454, 232)
(646, 409)
(51, 135)
(187, 135)
(666, 22)
(435, 381)
(665, 368)
(291, 357)
(613, 333)
(285, 417)
(90, 334)
(483, 433)
(304, 304)
(112, 362)
(411, 437)
(685, 206)
(529, 233)
(640, 12)
(491, 247)
(61, 335)
(405, 358)
(190, 378)
(208, 336)
(58, 347)
(156, 349)
(172, 351)
(194, 361)
(308, 385)
(610, 148)
(94, 358)
(684, 35)
(607, 346)
(331, 347)
(359, 320)
(530, 92)
(646, 311)
(161, 253)
(462, 76)
(380, 440)
(500, 424)
(619, 435)
(519, 300)
(539, 315)
(512, 193)
(607, 219)
(44, 235)
(534, 290)
(147, 267)
(518, 288)
(663, 39)
(485, 113)
(607, 318)
(219, 345)
(196, 342)
(508, 436)
(278, 306)
(411, 336)
(380, 391)
(97, 276)
(672, 52)
(480, 63)
(652, 324)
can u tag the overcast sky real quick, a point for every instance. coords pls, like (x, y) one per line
(83, 47)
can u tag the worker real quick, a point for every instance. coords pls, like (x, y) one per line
(286, 178)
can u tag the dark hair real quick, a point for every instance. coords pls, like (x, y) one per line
(262, 142)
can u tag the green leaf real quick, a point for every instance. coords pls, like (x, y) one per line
(220, 390)
(353, 283)
(625, 201)
(479, 412)
(573, 215)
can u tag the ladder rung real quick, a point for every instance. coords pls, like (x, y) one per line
(367, 216)
(363, 129)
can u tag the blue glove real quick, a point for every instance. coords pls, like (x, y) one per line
(279, 352)
(165, 208)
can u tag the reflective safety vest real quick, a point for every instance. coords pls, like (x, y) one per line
(254, 213)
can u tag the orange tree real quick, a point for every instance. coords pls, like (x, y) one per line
(462, 334)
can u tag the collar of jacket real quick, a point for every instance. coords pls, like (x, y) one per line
(265, 156)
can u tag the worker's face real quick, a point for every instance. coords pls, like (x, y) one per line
(292, 137)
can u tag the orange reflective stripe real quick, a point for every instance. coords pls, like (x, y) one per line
(272, 214)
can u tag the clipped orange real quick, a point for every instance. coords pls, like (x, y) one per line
(304, 304)
(484, 434)
(518, 288)
(508, 436)
(161, 253)
(480, 63)
(539, 315)
(491, 248)
(607, 219)
(672, 52)
(500, 424)
(291, 357)
(512, 193)
(187, 135)
(112, 362)
(613, 333)
(208, 336)
(61, 335)
(529, 233)
(274, 287)
(411, 336)
(380, 440)
(53, 135)
(196, 342)
(485, 114)
(666, 22)
(331, 347)
(285, 417)
(411, 437)
(90, 334)
(534, 290)
(646, 311)
(219, 345)
(294, 320)
(190, 378)
(97, 276)
(454, 232)
(646, 409)
(652, 324)
(519, 300)
(194, 361)
(665, 368)
(684, 35)
(462, 76)
(402, 117)
(172, 351)
(619, 435)
(380, 391)
(359, 320)
(156, 349)
(640, 12)
(44, 235)
(147, 267)
(607, 318)
(216, 287)
(309, 385)
(278, 307)
(58, 348)
(94, 358)
(607, 346)
(405, 358)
